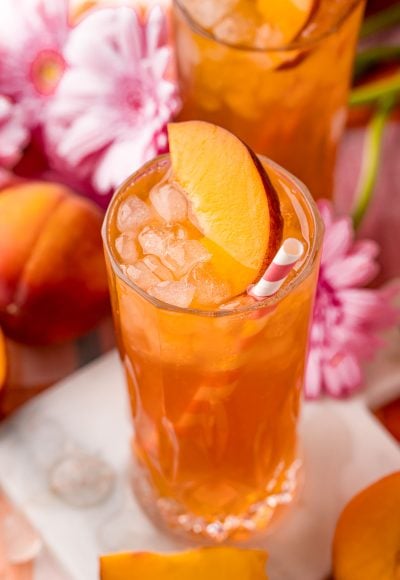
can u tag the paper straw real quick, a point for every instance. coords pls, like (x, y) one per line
(288, 254)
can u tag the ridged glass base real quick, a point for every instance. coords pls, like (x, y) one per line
(172, 516)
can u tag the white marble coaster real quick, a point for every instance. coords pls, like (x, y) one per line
(344, 450)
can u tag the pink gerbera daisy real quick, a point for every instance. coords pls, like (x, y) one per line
(13, 133)
(347, 318)
(114, 100)
(32, 34)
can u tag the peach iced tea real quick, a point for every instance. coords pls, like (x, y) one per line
(214, 377)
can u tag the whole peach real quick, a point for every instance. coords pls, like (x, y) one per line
(366, 543)
(53, 283)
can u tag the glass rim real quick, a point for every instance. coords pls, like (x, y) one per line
(258, 305)
(294, 45)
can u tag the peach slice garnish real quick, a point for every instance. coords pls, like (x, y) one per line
(3, 359)
(366, 545)
(217, 563)
(231, 197)
(286, 17)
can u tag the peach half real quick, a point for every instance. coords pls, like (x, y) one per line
(53, 284)
(366, 545)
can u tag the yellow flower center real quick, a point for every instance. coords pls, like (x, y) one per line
(47, 70)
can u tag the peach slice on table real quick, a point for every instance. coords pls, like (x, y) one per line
(286, 17)
(366, 544)
(231, 198)
(219, 563)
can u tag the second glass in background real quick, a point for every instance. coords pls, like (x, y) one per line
(289, 101)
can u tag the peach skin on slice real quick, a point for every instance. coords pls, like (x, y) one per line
(3, 360)
(219, 563)
(287, 17)
(231, 197)
(366, 545)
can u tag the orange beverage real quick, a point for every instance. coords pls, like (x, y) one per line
(274, 72)
(214, 377)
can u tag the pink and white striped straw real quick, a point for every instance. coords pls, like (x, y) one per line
(274, 276)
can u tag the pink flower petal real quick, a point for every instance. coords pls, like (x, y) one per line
(156, 30)
(113, 103)
(369, 306)
(14, 135)
(355, 270)
(337, 241)
(84, 135)
(32, 35)
(313, 386)
(117, 162)
(347, 318)
(326, 211)
(368, 248)
(342, 375)
(356, 340)
(85, 50)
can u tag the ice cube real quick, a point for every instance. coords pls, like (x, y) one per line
(157, 268)
(182, 255)
(210, 290)
(82, 479)
(267, 37)
(236, 29)
(237, 303)
(180, 233)
(208, 12)
(142, 276)
(155, 239)
(178, 293)
(169, 202)
(127, 249)
(133, 213)
(175, 255)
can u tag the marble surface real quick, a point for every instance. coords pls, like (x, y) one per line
(344, 449)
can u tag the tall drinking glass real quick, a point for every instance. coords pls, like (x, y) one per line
(215, 394)
(287, 101)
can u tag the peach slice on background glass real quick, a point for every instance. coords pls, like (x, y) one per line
(231, 198)
(366, 544)
(287, 18)
(220, 563)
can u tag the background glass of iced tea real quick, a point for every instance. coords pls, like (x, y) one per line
(288, 102)
(215, 394)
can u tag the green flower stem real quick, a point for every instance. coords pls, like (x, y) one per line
(381, 20)
(374, 92)
(371, 158)
(371, 57)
